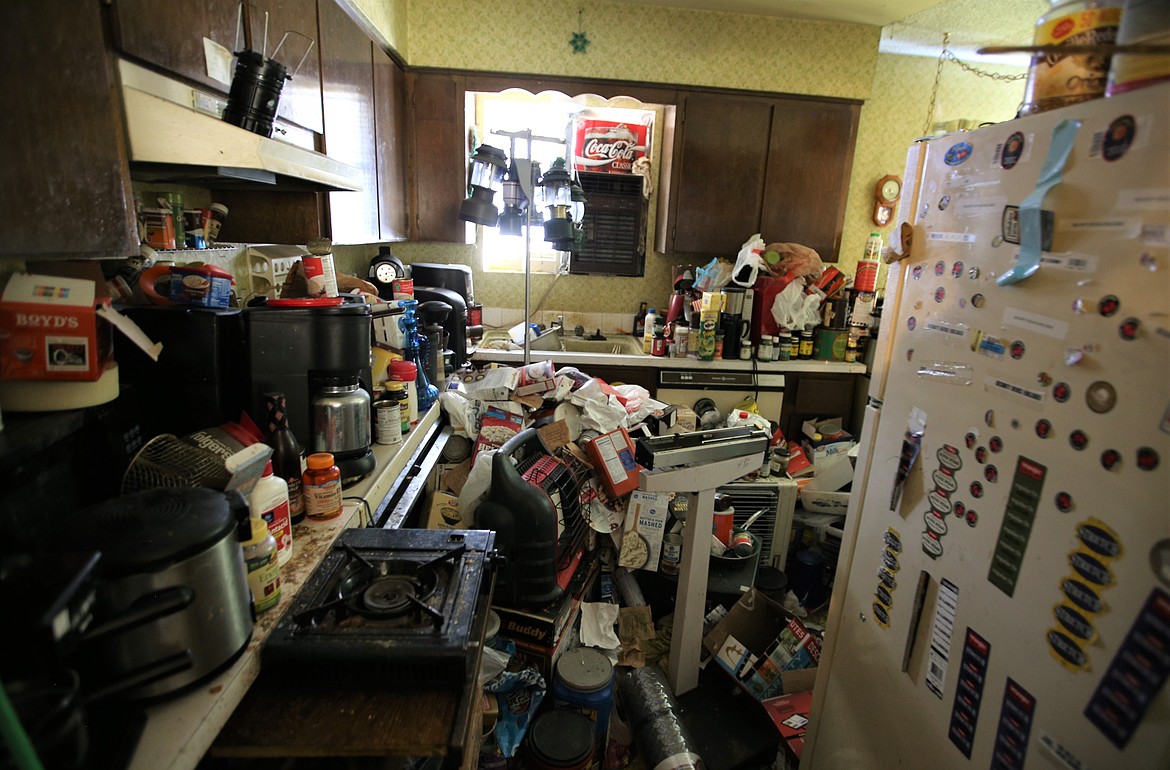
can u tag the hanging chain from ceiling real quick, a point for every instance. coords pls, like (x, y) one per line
(947, 55)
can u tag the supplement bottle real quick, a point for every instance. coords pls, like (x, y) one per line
(322, 485)
(269, 503)
(262, 564)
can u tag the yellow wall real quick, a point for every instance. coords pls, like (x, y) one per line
(646, 43)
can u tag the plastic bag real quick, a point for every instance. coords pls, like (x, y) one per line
(518, 693)
(795, 260)
(793, 309)
(714, 275)
(748, 262)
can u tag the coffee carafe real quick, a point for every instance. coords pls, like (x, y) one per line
(731, 321)
(341, 424)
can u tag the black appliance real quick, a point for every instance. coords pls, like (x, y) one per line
(534, 506)
(385, 268)
(299, 351)
(386, 606)
(451, 284)
(195, 383)
(432, 314)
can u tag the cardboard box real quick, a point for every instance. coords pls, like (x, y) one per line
(495, 429)
(757, 630)
(824, 440)
(540, 629)
(445, 513)
(612, 457)
(52, 330)
(491, 384)
(790, 714)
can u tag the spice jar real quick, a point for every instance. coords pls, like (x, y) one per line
(322, 487)
(784, 347)
(806, 344)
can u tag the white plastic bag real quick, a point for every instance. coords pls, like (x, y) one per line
(793, 309)
(748, 262)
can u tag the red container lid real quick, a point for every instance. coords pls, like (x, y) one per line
(403, 371)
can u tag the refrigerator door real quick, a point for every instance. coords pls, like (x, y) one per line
(1006, 602)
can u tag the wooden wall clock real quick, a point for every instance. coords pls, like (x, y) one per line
(886, 195)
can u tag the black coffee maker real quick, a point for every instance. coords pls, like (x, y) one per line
(450, 284)
(439, 359)
(302, 352)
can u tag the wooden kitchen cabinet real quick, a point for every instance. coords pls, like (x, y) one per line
(65, 171)
(390, 144)
(170, 35)
(347, 87)
(437, 156)
(747, 163)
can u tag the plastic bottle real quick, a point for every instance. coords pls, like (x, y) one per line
(640, 321)
(682, 333)
(865, 277)
(764, 350)
(648, 331)
(724, 518)
(406, 373)
(784, 346)
(658, 344)
(1058, 80)
(286, 455)
(322, 481)
(269, 502)
(263, 566)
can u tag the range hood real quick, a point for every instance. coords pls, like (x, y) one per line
(176, 135)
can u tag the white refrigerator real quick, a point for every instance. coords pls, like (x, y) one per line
(1003, 595)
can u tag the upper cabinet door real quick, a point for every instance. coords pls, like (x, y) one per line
(300, 100)
(390, 145)
(65, 172)
(717, 190)
(347, 87)
(437, 157)
(809, 164)
(170, 35)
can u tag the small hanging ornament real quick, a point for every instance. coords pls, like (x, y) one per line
(579, 42)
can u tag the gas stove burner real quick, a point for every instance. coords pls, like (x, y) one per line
(385, 606)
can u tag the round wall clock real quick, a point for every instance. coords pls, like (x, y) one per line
(886, 195)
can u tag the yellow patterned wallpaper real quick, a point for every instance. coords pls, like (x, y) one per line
(689, 47)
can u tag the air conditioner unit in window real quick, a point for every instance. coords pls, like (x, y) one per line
(615, 226)
(777, 497)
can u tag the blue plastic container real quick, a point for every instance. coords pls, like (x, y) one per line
(584, 683)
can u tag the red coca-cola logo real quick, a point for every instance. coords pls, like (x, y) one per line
(612, 150)
(1063, 29)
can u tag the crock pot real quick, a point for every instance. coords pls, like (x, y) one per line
(173, 606)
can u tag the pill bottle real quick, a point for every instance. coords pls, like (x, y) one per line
(263, 568)
(322, 486)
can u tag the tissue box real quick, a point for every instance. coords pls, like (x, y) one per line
(51, 328)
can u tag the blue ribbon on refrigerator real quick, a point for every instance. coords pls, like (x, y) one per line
(1051, 174)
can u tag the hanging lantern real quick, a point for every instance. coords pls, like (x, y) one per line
(555, 196)
(486, 177)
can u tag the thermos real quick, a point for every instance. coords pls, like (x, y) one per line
(341, 417)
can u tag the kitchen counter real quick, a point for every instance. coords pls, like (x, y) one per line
(584, 360)
(178, 732)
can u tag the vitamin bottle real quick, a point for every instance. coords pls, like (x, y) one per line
(322, 486)
(269, 502)
(263, 567)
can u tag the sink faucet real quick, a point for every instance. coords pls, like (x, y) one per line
(560, 323)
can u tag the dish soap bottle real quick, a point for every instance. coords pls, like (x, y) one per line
(640, 321)
(648, 331)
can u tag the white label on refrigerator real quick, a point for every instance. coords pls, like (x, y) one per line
(1081, 263)
(985, 206)
(1156, 235)
(1046, 325)
(940, 636)
(1144, 199)
(1126, 227)
(952, 237)
(1015, 391)
(952, 331)
(1057, 752)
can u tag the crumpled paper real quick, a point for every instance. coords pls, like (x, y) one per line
(597, 622)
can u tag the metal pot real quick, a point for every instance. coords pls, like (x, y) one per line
(173, 605)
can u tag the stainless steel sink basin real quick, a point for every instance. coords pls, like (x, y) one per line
(618, 345)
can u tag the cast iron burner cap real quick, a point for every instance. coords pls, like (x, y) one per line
(389, 595)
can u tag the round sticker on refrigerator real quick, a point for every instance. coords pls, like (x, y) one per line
(1013, 148)
(1117, 139)
(1110, 459)
(1066, 650)
(1043, 428)
(1147, 458)
(1091, 568)
(939, 503)
(944, 481)
(957, 154)
(1074, 622)
(1082, 595)
(935, 523)
(1099, 539)
(931, 545)
(948, 457)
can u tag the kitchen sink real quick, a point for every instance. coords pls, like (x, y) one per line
(618, 344)
(623, 345)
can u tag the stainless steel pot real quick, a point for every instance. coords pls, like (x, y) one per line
(173, 605)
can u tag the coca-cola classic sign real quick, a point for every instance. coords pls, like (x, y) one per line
(603, 145)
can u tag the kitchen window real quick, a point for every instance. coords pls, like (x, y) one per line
(602, 134)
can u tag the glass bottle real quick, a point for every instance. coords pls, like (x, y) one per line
(286, 454)
(416, 353)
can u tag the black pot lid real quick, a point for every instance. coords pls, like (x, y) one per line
(150, 530)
